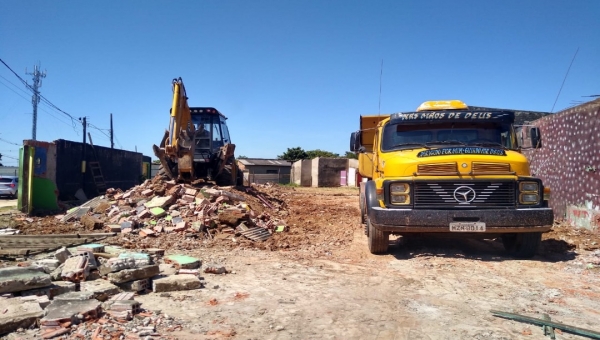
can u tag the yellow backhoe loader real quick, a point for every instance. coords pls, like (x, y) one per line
(197, 145)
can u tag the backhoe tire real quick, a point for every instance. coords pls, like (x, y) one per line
(378, 240)
(162, 174)
(522, 245)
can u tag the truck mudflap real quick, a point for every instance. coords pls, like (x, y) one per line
(489, 220)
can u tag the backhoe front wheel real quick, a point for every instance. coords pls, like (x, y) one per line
(378, 240)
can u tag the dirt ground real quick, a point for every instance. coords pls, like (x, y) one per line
(319, 281)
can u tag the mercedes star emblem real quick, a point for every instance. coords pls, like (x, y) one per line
(464, 194)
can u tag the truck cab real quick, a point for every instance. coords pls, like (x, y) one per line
(449, 169)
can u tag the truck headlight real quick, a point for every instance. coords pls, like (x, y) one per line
(400, 193)
(400, 199)
(529, 198)
(397, 188)
(529, 187)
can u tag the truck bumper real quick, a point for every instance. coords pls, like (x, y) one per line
(438, 221)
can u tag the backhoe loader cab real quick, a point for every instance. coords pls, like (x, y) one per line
(210, 136)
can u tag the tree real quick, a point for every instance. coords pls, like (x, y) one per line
(242, 157)
(156, 161)
(293, 154)
(1, 160)
(320, 153)
(351, 155)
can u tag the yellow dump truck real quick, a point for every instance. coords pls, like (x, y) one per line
(450, 169)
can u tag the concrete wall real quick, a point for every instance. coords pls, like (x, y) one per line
(120, 168)
(569, 162)
(9, 171)
(326, 171)
(306, 175)
(57, 170)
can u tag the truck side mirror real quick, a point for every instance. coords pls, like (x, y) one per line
(536, 138)
(355, 141)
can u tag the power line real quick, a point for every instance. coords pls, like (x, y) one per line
(42, 98)
(5, 141)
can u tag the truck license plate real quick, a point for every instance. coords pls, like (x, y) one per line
(468, 227)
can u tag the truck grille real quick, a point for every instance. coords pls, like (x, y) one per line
(480, 194)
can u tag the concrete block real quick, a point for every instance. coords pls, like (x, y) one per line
(183, 261)
(147, 232)
(17, 279)
(15, 314)
(160, 202)
(133, 274)
(114, 228)
(92, 263)
(47, 265)
(56, 274)
(75, 296)
(158, 212)
(76, 268)
(60, 311)
(93, 247)
(42, 300)
(62, 254)
(135, 286)
(175, 283)
(55, 289)
(101, 289)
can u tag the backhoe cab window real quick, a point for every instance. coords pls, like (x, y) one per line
(211, 131)
(408, 136)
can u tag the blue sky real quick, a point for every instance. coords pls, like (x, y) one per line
(285, 73)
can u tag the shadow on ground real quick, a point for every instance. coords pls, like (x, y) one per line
(550, 250)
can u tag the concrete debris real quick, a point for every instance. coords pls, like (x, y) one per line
(101, 289)
(216, 270)
(17, 279)
(16, 313)
(55, 289)
(62, 254)
(76, 268)
(176, 283)
(47, 265)
(69, 311)
(133, 274)
(125, 261)
(9, 231)
(43, 300)
(183, 261)
(135, 286)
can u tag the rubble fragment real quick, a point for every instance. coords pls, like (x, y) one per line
(16, 313)
(176, 283)
(183, 261)
(17, 279)
(133, 274)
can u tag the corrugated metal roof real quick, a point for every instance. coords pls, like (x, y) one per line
(263, 162)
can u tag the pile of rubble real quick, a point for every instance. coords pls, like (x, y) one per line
(90, 293)
(156, 208)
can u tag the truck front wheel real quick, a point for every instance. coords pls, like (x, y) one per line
(522, 245)
(378, 240)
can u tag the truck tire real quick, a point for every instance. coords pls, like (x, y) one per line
(378, 240)
(522, 245)
(363, 208)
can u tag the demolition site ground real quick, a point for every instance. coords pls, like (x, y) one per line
(314, 278)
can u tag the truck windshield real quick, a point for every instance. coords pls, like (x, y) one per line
(409, 136)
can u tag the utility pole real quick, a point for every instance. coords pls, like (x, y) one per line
(35, 99)
(83, 153)
(112, 144)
